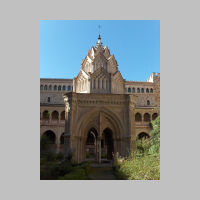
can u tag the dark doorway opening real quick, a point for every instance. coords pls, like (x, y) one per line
(91, 144)
(143, 135)
(107, 146)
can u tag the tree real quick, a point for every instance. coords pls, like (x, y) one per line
(155, 136)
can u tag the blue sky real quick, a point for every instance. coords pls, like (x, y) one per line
(134, 43)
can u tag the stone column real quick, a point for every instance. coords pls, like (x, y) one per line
(99, 149)
(67, 138)
(132, 134)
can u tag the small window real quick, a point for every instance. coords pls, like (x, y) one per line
(48, 99)
(129, 90)
(151, 90)
(138, 90)
(69, 87)
(133, 90)
(55, 87)
(148, 102)
(142, 90)
(59, 88)
(147, 90)
(45, 87)
(50, 87)
(41, 87)
(64, 88)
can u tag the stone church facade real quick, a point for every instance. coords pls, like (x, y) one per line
(98, 113)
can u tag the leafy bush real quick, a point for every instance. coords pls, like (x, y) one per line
(140, 168)
(60, 156)
(144, 164)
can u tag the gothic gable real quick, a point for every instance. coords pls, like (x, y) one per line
(100, 61)
(100, 73)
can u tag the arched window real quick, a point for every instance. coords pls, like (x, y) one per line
(147, 90)
(154, 116)
(148, 103)
(102, 83)
(129, 90)
(55, 87)
(143, 135)
(41, 87)
(138, 90)
(50, 87)
(133, 90)
(54, 115)
(45, 87)
(59, 87)
(151, 90)
(69, 87)
(62, 139)
(138, 117)
(147, 117)
(142, 90)
(63, 88)
(62, 115)
(48, 99)
(51, 137)
(45, 115)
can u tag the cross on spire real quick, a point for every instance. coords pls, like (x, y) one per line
(99, 38)
(99, 29)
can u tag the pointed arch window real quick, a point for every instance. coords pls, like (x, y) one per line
(129, 90)
(59, 87)
(138, 90)
(63, 88)
(151, 90)
(133, 90)
(55, 87)
(142, 90)
(147, 90)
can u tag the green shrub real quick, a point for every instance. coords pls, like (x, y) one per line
(140, 168)
(144, 164)
(60, 156)
(87, 167)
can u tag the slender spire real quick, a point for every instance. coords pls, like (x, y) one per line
(99, 38)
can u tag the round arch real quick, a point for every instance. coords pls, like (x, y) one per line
(55, 115)
(143, 135)
(45, 115)
(147, 117)
(50, 136)
(138, 117)
(154, 116)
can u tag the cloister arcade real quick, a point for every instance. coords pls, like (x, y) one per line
(146, 117)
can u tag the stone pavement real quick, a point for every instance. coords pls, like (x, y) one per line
(102, 171)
